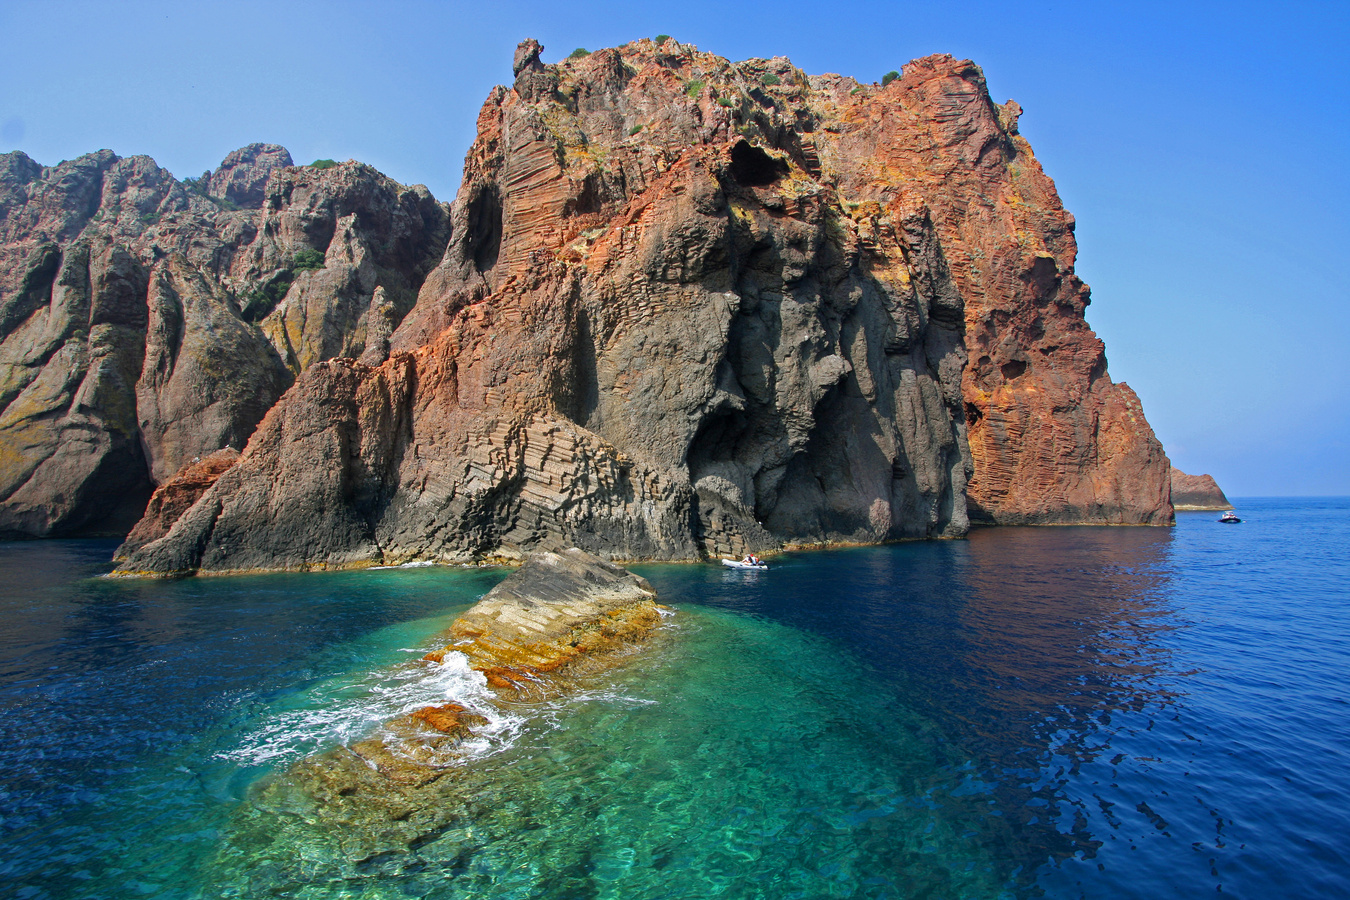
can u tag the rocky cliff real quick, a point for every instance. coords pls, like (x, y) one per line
(685, 307)
(147, 321)
(1197, 492)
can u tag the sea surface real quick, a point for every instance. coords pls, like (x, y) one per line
(1032, 712)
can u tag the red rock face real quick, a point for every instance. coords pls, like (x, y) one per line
(175, 497)
(1052, 438)
(694, 307)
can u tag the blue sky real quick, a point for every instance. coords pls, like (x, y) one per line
(1203, 147)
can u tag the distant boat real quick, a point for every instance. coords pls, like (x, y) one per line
(742, 564)
(1230, 518)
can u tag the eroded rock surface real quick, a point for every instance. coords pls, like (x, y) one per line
(562, 615)
(1197, 492)
(698, 307)
(243, 174)
(688, 307)
(175, 497)
(146, 321)
(559, 619)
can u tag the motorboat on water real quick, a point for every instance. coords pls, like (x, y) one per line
(750, 562)
(1230, 518)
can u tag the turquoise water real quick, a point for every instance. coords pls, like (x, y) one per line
(1066, 712)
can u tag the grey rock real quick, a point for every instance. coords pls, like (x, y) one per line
(144, 324)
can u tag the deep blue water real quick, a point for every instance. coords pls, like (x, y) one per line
(1057, 712)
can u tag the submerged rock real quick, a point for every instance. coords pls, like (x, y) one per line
(538, 634)
(563, 615)
(1197, 492)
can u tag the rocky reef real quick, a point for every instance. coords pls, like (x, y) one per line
(558, 621)
(684, 307)
(1197, 492)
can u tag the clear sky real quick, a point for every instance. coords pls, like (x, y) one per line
(1203, 147)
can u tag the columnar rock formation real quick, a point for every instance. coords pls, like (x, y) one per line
(688, 306)
(1197, 492)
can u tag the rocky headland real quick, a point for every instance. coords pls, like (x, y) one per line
(680, 307)
(1191, 492)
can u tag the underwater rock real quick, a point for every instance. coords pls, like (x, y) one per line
(536, 635)
(563, 615)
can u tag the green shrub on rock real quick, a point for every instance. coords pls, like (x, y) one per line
(306, 260)
(579, 53)
(771, 79)
(323, 164)
(889, 77)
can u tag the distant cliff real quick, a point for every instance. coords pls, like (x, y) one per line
(1197, 492)
(145, 322)
(680, 306)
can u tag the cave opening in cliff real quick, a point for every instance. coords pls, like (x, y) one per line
(715, 447)
(485, 228)
(751, 166)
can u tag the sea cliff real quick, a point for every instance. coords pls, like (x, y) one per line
(680, 307)
(1197, 492)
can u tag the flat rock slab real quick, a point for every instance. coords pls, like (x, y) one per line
(559, 618)
(560, 615)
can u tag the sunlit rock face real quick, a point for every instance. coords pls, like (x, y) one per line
(146, 322)
(685, 307)
(553, 629)
(1197, 492)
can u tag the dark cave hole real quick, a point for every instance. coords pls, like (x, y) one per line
(716, 441)
(752, 167)
(1013, 368)
(485, 228)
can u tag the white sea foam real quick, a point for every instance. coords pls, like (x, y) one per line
(342, 712)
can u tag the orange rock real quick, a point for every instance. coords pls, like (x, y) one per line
(688, 309)
(175, 497)
(449, 718)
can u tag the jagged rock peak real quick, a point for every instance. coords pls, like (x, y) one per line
(527, 56)
(145, 322)
(242, 176)
(691, 307)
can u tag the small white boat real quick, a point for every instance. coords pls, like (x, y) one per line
(742, 564)
(1230, 518)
